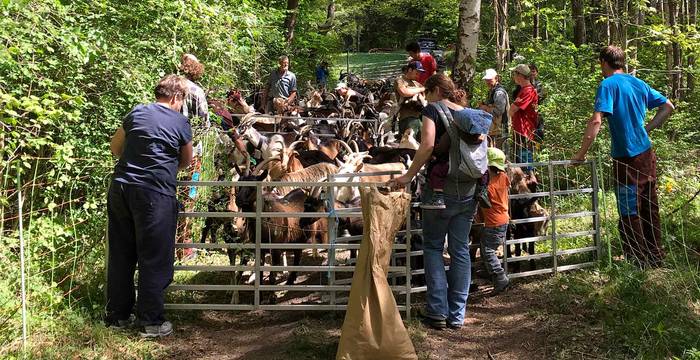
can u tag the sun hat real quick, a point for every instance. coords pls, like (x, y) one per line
(521, 69)
(496, 158)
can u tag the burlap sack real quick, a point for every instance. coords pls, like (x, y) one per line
(373, 328)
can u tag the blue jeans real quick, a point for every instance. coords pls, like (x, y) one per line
(491, 239)
(448, 290)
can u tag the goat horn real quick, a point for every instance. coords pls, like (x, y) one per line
(346, 146)
(355, 146)
(294, 144)
(263, 163)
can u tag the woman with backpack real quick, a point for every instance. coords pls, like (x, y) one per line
(447, 290)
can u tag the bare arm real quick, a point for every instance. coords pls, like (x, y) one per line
(406, 91)
(185, 156)
(589, 135)
(117, 142)
(661, 116)
(423, 154)
(512, 110)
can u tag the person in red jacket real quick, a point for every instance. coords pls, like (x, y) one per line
(523, 112)
(427, 61)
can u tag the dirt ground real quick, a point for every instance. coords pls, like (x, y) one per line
(507, 326)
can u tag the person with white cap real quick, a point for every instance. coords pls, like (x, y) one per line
(495, 218)
(523, 111)
(497, 105)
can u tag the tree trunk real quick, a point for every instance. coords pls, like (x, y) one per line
(536, 22)
(637, 19)
(467, 42)
(330, 17)
(501, 30)
(579, 22)
(673, 51)
(692, 21)
(291, 20)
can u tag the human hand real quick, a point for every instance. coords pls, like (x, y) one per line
(399, 182)
(578, 159)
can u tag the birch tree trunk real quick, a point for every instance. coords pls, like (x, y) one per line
(467, 42)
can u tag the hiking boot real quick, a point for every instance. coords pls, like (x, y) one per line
(156, 331)
(436, 203)
(501, 282)
(431, 322)
(482, 197)
(123, 324)
(454, 326)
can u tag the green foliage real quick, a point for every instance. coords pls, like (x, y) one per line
(643, 314)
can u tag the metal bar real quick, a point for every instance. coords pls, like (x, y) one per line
(553, 216)
(576, 266)
(304, 268)
(209, 307)
(237, 246)
(530, 273)
(576, 251)
(530, 220)
(549, 237)
(409, 235)
(332, 235)
(289, 183)
(574, 215)
(547, 163)
(258, 240)
(514, 259)
(204, 287)
(596, 217)
(546, 193)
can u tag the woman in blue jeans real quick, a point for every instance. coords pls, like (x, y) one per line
(447, 290)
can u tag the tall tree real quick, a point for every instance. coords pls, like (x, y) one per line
(673, 50)
(467, 42)
(536, 21)
(500, 25)
(291, 20)
(579, 22)
(692, 22)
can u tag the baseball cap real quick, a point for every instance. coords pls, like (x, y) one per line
(415, 65)
(521, 69)
(496, 158)
(489, 74)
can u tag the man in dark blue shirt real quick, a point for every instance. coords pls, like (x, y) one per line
(154, 141)
(623, 100)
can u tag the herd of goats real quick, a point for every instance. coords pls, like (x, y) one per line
(332, 139)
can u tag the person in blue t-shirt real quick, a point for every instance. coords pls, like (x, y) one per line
(322, 74)
(154, 141)
(624, 100)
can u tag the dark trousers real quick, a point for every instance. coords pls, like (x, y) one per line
(142, 226)
(638, 206)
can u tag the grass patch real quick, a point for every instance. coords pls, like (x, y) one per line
(647, 314)
(72, 336)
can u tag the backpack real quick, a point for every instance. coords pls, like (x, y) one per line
(466, 160)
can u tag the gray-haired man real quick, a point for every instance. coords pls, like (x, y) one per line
(281, 89)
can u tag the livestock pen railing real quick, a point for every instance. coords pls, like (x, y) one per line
(378, 70)
(571, 241)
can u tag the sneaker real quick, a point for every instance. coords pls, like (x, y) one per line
(436, 203)
(156, 331)
(483, 197)
(501, 282)
(123, 324)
